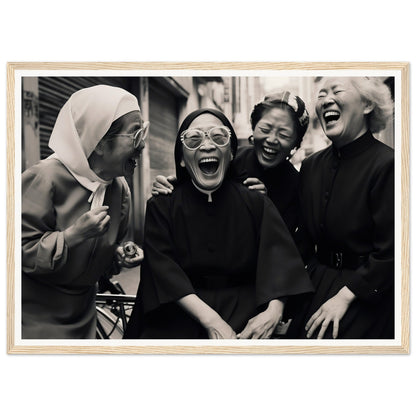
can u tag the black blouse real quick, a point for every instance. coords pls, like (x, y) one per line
(347, 199)
(282, 183)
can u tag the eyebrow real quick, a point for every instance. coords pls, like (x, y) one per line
(134, 126)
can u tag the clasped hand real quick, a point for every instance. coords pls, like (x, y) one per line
(255, 184)
(124, 260)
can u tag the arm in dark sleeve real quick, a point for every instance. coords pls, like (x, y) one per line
(163, 279)
(280, 270)
(376, 277)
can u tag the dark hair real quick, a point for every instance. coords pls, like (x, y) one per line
(286, 101)
(182, 173)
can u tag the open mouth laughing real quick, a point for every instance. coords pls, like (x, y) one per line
(331, 117)
(269, 152)
(209, 165)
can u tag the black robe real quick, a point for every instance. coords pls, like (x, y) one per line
(282, 183)
(235, 253)
(347, 200)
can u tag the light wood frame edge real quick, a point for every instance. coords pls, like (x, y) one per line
(128, 349)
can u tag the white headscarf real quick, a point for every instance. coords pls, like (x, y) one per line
(81, 124)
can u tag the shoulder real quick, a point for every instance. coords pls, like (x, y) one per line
(243, 152)
(382, 152)
(45, 167)
(288, 170)
(317, 156)
(47, 171)
(243, 162)
(253, 199)
(162, 202)
(313, 161)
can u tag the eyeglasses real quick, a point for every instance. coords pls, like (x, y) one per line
(192, 139)
(138, 136)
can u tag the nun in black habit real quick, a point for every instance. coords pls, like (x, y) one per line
(347, 232)
(219, 260)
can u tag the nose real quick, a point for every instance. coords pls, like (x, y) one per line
(328, 99)
(207, 144)
(272, 138)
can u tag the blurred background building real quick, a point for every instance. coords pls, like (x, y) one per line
(165, 101)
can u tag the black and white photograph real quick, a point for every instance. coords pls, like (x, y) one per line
(233, 210)
(197, 221)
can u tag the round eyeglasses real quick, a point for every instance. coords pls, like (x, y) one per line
(192, 139)
(138, 136)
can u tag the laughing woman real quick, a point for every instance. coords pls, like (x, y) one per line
(75, 209)
(219, 259)
(279, 123)
(347, 199)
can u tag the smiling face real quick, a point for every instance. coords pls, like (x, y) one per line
(274, 137)
(341, 111)
(208, 164)
(117, 153)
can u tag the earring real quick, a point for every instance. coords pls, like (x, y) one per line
(251, 139)
(182, 163)
(292, 152)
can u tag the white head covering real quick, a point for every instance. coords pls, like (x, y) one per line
(81, 124)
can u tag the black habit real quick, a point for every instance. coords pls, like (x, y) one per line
(347, 234)
(235, 253)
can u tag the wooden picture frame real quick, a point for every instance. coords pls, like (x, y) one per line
(17, 71)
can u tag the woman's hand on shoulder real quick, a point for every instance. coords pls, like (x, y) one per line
(332, 310)
(256, 185)
(263, 325)
(163, 185)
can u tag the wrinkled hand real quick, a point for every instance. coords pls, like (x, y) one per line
(332, 310)
(124, 260)
(91, 224)
(263, 325)
(163, 185)
(220, 330)
(256, 185)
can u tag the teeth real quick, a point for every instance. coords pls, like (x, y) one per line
(269, 150)
(208, 160)
(331, 113)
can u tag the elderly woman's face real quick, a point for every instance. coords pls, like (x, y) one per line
(341, 110)
(119, 156)
(207, 164)
(274, 137)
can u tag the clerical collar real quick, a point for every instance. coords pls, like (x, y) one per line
(205, 191)
(355, 147)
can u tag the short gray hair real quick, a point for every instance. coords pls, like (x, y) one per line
(375, 91)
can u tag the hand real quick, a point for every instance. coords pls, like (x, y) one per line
(332, 310)
(163, 185)
(220, 330)
(256, 184)
(263, 324)
(91, 224)
(127, 261)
